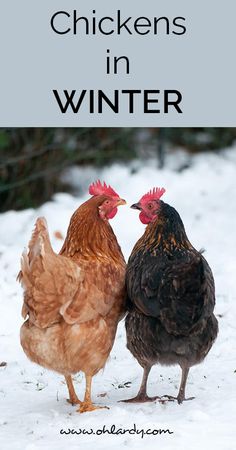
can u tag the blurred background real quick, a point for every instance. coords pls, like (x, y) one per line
(34, 162)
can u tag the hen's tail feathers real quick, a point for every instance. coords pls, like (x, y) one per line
(39, 244)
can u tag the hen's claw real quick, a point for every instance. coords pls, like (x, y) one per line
(87, 406)
(140, 399)
(74, 401)
(180, 399)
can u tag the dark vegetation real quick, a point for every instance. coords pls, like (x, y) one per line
(32, 159)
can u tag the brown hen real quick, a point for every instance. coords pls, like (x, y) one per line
(73, 301)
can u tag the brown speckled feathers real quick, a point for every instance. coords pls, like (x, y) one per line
(68, 285)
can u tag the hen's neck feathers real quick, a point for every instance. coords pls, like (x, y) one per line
(166, 233)
(89, 236)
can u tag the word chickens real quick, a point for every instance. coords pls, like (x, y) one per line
(73, 301)
(171, 296)
(64, 22)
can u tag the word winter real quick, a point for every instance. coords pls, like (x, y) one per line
(151, 101)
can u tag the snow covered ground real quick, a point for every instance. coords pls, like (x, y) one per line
(33, 407)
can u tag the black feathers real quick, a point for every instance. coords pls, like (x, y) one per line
(171, 296)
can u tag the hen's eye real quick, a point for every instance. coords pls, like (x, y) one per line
(107, 202)
(150, 206)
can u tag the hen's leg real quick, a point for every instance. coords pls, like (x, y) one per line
(142, 393)
(181, 395)
(87, 404)
(73, 397)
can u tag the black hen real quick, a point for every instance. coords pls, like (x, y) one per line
(171, 295)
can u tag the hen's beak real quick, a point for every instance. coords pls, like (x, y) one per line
(121, 201)
(136, 206)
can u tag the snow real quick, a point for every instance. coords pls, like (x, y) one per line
(33, 406)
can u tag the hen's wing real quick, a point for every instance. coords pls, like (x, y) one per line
(143, 278)
(179, 292)
(97, 293)
(55, 286)
(186, 295)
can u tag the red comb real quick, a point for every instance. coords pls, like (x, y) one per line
(154, 194)
(97, 188)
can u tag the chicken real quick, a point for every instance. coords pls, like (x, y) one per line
(73, 301)
(171, 296)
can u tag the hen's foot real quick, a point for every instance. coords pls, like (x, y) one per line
(141, 398)
(88, 406)
(74, 401)
(180, 398)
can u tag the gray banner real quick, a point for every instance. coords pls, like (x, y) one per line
(198, 64)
